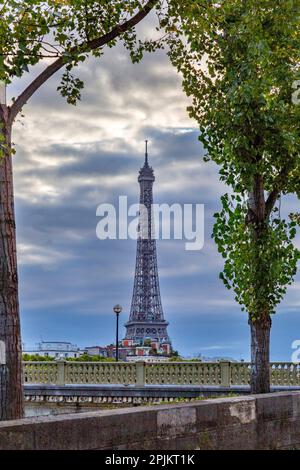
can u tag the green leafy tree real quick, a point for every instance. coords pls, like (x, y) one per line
(63, 32)
(240, 62)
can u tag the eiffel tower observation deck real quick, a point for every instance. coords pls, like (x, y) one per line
(146, 319)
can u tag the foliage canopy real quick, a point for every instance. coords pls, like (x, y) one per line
(240, 62)
(66, 32)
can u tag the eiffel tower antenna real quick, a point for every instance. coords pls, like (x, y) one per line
(146, 152)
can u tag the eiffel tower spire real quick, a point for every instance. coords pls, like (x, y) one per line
(146, 153)
(146, 315)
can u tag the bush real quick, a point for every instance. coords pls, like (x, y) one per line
(36, 358)
(88, 358)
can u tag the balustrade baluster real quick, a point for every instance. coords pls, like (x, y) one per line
(181, 373)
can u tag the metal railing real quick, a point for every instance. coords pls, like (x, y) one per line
(223, 374)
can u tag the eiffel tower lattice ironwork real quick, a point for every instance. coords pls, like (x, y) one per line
(146, 319)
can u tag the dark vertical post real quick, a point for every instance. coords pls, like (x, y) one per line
(117, 338)
(117, 309)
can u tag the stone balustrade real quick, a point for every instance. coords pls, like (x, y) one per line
(223, 374)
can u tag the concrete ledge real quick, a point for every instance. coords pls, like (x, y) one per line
(269, 421)
(126, 391)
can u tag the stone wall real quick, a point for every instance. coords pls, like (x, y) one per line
(253, 422)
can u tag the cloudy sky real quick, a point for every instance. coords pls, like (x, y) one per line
(71, 159)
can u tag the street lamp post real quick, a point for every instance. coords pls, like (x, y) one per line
(117, 309)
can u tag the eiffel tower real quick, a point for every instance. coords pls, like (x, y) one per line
(146, 319)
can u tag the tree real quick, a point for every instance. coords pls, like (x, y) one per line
(240, 65)
(31, 31)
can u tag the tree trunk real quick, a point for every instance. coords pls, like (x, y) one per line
(260, 324)
(260, 354)
(11, 389)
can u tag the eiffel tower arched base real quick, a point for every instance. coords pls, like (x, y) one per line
(140, 331)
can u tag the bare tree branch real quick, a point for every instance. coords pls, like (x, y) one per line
(274, 194)
(271, 201)
(86, 47)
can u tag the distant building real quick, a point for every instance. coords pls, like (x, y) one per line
(127, 342)
(123, 352)
(130, 350)
(142, 351)
(56, 349)
(96, 351)
(165, 349)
